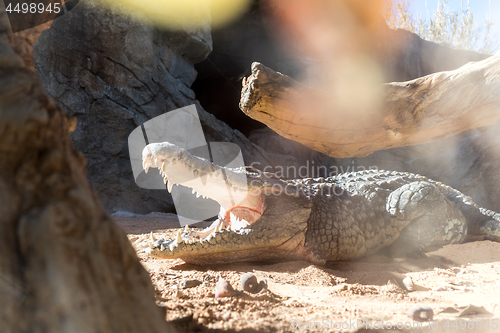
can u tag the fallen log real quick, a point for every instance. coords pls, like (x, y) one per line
(423, 110)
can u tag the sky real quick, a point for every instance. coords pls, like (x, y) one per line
(480, 9)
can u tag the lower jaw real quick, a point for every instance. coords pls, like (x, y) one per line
(260, 255)
(292, 249)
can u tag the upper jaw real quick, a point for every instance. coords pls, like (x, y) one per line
(179, 167)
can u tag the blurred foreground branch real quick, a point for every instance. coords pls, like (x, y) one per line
(65, 266)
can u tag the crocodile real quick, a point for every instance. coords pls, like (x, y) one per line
(266, 218)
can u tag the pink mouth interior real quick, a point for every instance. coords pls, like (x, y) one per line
(246, 210)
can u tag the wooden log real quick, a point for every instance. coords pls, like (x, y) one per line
(65, 266)
(419, 111)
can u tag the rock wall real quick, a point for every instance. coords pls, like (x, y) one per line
(112, 73)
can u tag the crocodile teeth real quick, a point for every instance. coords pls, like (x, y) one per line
(151, 245)
(229, 228)
(163, 167)
(186, 228)
(217, 227)
(152, 237)
(146, 169)
(193, 191)
(165, 179)
(162, 248)
(169, 186)
(222, 227)
(238, 224)
(156, 161)
(179, 238)
(197, 195)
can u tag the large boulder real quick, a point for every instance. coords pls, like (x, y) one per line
(112, 73)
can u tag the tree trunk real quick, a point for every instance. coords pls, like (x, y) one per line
(419, 111)
(64, 265)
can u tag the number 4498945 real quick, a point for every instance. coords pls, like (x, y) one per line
(33, 8)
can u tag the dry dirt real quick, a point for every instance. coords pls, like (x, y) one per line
(353, 294)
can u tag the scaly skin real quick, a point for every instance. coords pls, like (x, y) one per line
(264, 218)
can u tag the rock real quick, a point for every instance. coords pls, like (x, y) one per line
(250, 283)
(113, 73)
(226, 315)
(187, 283)
(408, 283)
(421, 314)
(224, 289)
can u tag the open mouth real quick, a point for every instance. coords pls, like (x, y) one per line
(239, 206)
(233, 219)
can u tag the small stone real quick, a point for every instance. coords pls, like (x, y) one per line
(223, 289)
(250, 284)
(408, 282)
(421, 314)
(187, 283)
(226, 316)
(178, 293)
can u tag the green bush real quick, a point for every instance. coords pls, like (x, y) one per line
(456, 29)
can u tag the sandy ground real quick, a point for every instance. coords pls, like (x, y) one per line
(359, 295)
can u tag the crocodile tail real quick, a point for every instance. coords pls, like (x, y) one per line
(480, 221)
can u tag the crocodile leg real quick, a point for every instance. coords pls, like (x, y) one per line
(434, 221)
